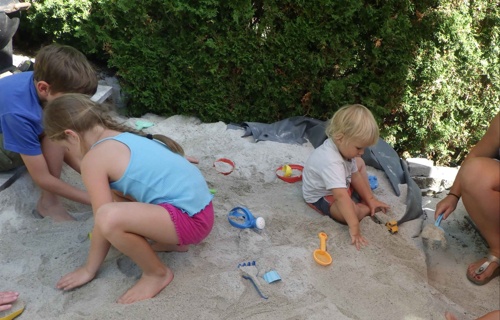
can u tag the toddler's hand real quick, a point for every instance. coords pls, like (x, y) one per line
(75, 279)
(357, 239)
(375, 204)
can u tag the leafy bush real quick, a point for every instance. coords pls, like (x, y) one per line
(54, 20)
(453, 83)
(428, 70)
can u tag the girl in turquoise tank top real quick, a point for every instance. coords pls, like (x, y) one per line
(145, 195)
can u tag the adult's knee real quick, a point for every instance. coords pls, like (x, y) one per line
(471, 172)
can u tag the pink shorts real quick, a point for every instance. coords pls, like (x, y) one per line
(191, 230)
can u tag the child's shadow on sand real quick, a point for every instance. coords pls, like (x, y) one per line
(128, 267)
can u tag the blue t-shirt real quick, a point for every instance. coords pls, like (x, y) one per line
(157, 175)
(20, 114)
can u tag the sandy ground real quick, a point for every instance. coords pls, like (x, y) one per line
(395, 277)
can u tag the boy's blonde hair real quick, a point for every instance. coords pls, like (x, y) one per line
(65, 69)
(354, 123)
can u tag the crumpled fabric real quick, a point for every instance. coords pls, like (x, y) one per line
(295, 130)
(383, 157)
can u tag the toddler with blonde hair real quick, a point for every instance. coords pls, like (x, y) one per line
(335, 169)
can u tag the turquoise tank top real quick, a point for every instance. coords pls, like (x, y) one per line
(157, 175)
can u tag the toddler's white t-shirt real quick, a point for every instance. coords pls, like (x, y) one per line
(325, 170)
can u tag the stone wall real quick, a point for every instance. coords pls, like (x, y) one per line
(431, 179)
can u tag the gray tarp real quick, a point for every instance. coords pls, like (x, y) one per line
(292, 130)
(382, 156)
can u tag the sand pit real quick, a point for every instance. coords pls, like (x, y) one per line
(394, 277)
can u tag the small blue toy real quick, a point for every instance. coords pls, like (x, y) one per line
(249, 271)
(438, 221)
(242, 218)
(373, 182)
(271, 276)
(246, 264)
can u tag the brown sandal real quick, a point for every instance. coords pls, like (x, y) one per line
(491, 258)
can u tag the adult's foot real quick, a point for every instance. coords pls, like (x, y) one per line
(492, 270)
(147, 287)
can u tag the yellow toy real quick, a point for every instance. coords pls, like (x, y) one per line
(287, 171)
(392, 226)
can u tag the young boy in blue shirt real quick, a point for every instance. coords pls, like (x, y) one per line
(58, 69)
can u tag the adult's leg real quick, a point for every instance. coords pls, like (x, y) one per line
(49, 204)
(127, 226)
(493, 315)
(480, 183)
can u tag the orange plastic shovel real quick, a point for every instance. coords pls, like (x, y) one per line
(320, 255)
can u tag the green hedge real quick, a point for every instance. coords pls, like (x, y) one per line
(428, 70)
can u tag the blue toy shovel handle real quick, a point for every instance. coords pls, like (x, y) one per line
(438, 221)
(241, 212)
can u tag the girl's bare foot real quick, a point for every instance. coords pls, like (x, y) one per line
(57, 212)
(164, 247)
(147, 287)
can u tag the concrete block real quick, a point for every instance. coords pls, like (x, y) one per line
(103, 92)
(444, 173)
(429, 178)
(420, 167)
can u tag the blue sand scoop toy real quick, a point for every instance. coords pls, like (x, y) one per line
(241, 217)
(438, 221)
(250, 272)
(373, 182)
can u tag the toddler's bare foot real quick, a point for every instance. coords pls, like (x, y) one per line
(147, 287)
(163, 247)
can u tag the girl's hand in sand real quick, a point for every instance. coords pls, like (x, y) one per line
(75, 279)
(7, 298)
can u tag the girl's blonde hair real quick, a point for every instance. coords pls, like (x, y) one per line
(77, 112)
(355, 123)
